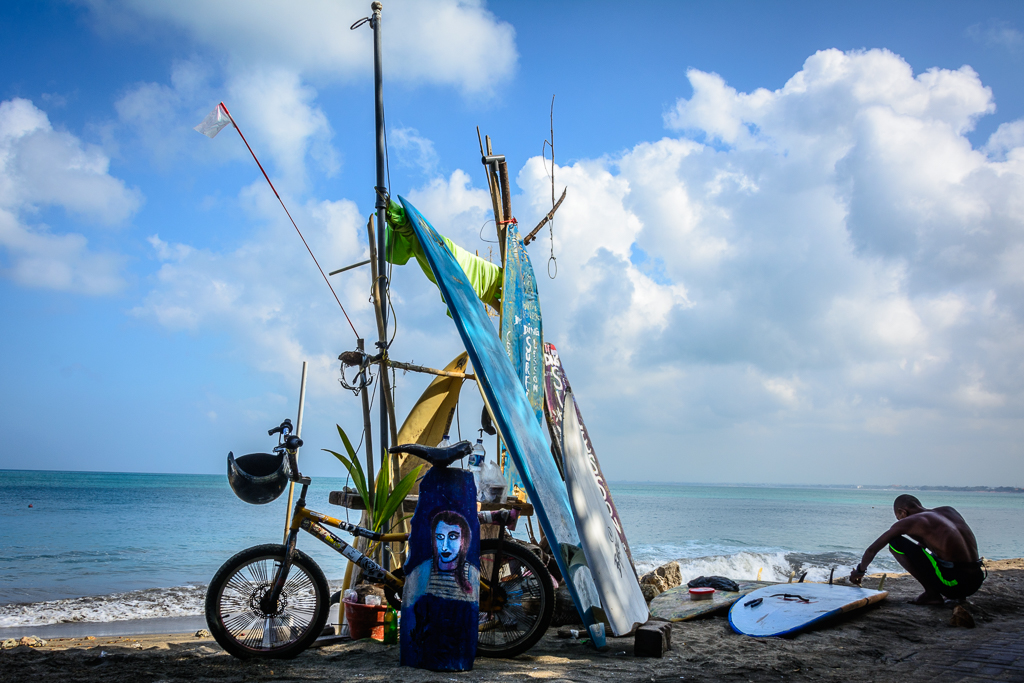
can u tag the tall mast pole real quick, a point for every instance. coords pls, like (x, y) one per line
(381, 207)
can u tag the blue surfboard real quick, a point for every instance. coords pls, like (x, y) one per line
(514, 416)
(789, 607)
(521, 330)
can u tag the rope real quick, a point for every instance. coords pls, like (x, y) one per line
(288, 213)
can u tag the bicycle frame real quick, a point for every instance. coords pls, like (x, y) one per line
(313, 523)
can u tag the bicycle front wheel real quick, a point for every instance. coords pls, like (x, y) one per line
(237, 619)
(516, 609)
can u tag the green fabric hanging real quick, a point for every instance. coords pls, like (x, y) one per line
(400, 244)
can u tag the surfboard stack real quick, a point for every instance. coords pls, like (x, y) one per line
(582, 528)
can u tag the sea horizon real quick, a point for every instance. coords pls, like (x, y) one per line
(798, 485)
(108, 548)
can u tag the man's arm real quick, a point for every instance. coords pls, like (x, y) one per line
(896, 530)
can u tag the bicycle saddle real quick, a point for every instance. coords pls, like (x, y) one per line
(439, 457)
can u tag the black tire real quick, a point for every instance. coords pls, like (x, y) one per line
(232, 604)
(519, 614)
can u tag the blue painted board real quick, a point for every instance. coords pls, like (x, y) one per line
(521, 330)
(514, 416)
(440, 599)
(778, 615)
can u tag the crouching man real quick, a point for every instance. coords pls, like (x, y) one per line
(941, 551)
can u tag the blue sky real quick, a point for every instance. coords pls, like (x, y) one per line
(790, 250)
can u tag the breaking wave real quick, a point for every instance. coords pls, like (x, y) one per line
(747, 565)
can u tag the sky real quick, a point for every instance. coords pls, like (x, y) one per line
(791, 250)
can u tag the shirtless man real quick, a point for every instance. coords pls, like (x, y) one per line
(943, 554)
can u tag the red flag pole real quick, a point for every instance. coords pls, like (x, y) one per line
(288, 213)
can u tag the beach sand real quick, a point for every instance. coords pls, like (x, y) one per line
(893, 641)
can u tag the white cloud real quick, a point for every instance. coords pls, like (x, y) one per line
(997, 34)
(805, 270)
(267, 291)
(272, 105)
(840, 230)
(457, 42)
(40, 168)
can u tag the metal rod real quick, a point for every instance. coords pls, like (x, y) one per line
(298, 432)
(354, 265)
(431, 371)
(381, 207)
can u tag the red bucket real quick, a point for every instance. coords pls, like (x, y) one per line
(365, 621)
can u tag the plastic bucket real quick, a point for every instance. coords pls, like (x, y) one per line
(365, 621)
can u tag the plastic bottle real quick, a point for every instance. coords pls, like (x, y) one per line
(390, 626)
(445, 443)
(476, 463)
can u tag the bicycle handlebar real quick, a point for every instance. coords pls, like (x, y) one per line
(285, 428)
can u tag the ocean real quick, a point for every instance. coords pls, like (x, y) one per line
(105, 548)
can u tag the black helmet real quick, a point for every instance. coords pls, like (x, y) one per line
(258, 478)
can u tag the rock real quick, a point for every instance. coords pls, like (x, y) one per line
(650, 592)
(9, 644)
(203, 633)
(653, 639)
(32, 641)
(664, 577)
(961, 617)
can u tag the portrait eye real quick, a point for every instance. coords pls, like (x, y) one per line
(453, 535)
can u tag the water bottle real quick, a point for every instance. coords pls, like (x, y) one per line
(477, 457)
(476, 464)
(444, 442)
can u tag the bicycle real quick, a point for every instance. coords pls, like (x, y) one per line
(272, 600)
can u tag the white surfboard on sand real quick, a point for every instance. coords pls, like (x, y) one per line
(789, 607)
(621, 598)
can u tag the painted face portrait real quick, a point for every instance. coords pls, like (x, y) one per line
(448, 541)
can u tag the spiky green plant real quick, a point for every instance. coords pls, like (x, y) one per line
(385, 504)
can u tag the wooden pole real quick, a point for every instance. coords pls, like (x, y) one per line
(431, 371)
(298, 432)
(544, 221)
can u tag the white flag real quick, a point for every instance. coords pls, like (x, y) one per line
(214, 122)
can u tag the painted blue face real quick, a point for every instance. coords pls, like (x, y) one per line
(448, 539)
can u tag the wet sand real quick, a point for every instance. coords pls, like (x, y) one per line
(893, 641)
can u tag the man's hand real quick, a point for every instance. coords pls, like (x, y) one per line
(856, 575)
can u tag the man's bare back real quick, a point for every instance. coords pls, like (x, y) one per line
(943, 556)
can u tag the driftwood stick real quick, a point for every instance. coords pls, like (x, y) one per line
(430, 371)
(544, 221)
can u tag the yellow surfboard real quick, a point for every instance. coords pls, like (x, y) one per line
(431, 417)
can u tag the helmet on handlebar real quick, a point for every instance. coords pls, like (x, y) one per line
(258, 478)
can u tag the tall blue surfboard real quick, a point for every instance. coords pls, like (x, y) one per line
(521, 331)
(514, 416)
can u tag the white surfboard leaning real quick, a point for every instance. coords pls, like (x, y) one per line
(789, 607)
(608, 563)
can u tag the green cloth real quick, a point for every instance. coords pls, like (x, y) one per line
(400, 244)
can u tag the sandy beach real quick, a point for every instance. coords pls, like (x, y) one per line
(894, 641)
